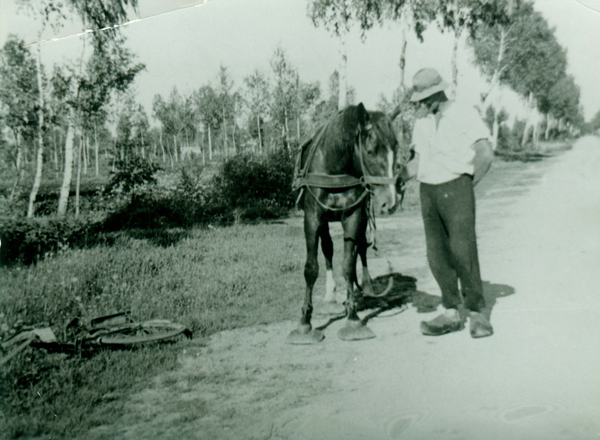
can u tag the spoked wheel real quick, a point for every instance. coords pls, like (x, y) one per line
(147, 331)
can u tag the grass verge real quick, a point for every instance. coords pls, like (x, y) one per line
(208, 279)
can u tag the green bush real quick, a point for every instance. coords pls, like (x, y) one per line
(140, 196)
(253, 187)
(27, 240)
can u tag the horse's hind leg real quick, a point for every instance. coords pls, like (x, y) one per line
(304, 334)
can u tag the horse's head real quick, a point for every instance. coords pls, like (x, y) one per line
(376, 150)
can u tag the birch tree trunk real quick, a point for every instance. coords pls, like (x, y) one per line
(175, 148)
(162, 147)
(96, 149)
(343, 82)
(40, 148)
(17, 164)
(224, 133)
(402, 61)
(55, 153)
(68, 173)
(259, 135)
(80, 152)
(233, 139)
(455, 65)
(85, 150)
(528, 121)
(210, 152)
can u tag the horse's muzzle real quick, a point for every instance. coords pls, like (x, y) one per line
(385, 199)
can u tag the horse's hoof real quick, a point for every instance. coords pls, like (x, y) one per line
(367, 289)
(329, 308)
(355, 330)
(305, 335)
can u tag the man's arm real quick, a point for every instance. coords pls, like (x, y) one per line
(410, 169)
(484, 156)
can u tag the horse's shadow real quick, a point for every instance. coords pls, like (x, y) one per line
(404, 292)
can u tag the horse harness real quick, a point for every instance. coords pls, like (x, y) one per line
(305, 180)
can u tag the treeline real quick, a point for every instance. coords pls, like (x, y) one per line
(510, 43)
(68, 107)
(269, 111)
(58, 119)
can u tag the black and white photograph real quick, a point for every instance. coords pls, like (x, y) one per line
(300, 219)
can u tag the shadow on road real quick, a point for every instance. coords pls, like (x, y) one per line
(491, 293)
(404, 291)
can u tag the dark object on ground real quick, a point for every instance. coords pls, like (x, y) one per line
(113, 331)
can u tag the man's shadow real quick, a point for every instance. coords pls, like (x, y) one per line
(426, 303)
(491, 294)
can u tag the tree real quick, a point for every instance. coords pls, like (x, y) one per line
(207, 105)
(594, 124)
(101, 18)
(461, 15)
(520, 51)
(256, 99)
(411, 15)
(536, 62)
(284, 93)
(491, 42)
(563, 103)
(336, 16)
(49, 14)
(307, 97)
(18, 95)
(226, 101)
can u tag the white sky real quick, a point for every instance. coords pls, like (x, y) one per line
(184, 47)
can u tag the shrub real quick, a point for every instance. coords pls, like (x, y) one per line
(27, 240)
(253, 186)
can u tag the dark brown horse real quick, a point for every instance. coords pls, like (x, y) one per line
(346, 172)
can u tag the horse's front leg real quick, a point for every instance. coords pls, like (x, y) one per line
(304, 333)
(353, 226)
(330, 305)
(327, 248)
(366, 286)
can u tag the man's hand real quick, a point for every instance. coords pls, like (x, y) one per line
(484, 156)
(410, 169)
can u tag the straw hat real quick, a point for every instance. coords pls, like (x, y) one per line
(426, 82)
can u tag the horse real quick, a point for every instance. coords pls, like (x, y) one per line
(347, 171)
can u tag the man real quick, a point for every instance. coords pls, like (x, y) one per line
(452, 153)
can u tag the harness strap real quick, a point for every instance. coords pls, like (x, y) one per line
(364, 194)
(327, 181)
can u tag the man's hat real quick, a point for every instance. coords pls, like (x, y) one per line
(426, 82)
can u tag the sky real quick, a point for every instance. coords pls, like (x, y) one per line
(183, 43)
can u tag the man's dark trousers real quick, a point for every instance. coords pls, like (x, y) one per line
(449, 217)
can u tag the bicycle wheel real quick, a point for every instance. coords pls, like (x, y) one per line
(147, 331)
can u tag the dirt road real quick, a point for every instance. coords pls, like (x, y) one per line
(538, 377)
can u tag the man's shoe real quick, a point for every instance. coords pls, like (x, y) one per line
(479, 325)
(440, 326)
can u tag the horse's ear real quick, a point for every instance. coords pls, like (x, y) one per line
(363, 116)
(395, 113)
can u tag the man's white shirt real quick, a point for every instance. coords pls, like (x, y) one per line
(447, 151)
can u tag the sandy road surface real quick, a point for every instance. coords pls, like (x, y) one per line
(538, 377)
